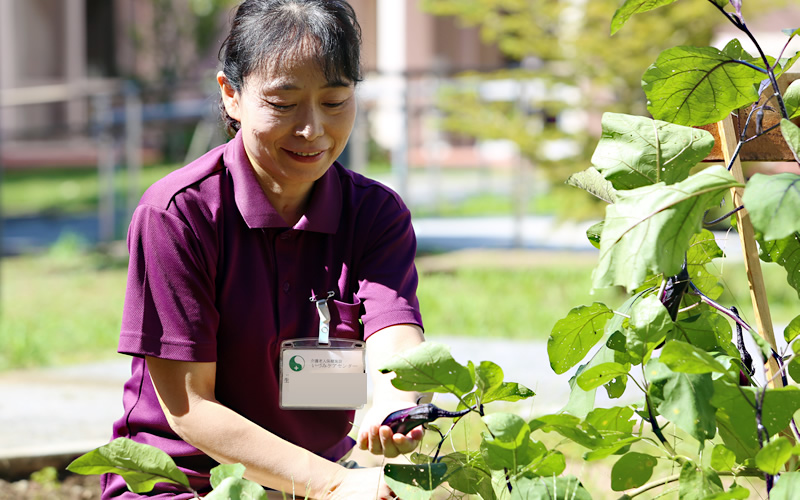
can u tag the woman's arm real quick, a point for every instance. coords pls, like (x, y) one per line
(381, 346)
(186, 393)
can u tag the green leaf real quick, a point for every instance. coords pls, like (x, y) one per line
(601, 374)
(611, 445)
(794, 368)
(696, 86)
(735, 493)
(698, 483)
(632, 470)
(530, 487)
(791, 133)
(648, 327)
(685, 399)
(468, 473)
(489, 380)
(224, 471)
(787, 63)
(792, 330)
(593, 234)
(708, 330)
(649, 228)
(787, 487)
(617, 418)
(237, 488)
(507, 429)
(141, 466)
(593, 182)
(791, 98)
(573, 337)
(429, 367)
(414, 482)
(631, 7)
(786, 253)
(773, 202)
(636, 151)
(685, 358)
(737, 420)
(571, 428)
(552, 464)
(722, 458)
(500, 455)
(774, 455)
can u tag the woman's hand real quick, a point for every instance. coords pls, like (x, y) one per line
(361, 484)
(380, 439)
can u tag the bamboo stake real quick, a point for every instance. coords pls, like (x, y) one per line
(755, 278)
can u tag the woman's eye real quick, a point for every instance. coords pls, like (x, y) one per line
(279, 107)
(333, 104)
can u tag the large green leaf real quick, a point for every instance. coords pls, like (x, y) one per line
(224, 471)
(773, 202)
(632, 470)
(706, 329)
(702, 250)
(141, 466)
(696, 86)
(573, 337)
(499, 456)
(737, 418)
(507, 429)
(684, 399)
(647, 328)
(698, 482)
(683, 357)
(531, 487)
(636, 151)
(786, 253)
(649, 228)
(792, 330)
(774, 455)
(414, 482)
(787, 488)
(593, 182)
(601, 374)
(631, 7)
(468, 473)
(611, 445)
(791, 133)
(429, 367)
(617, 418)
(791, 98)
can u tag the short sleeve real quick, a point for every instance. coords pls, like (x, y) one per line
(387, 276)
(169, 309)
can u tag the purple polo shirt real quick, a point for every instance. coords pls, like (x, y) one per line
(216, 275)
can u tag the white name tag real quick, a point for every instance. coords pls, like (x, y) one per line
(319, 377)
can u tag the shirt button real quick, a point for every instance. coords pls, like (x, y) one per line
(286, 287)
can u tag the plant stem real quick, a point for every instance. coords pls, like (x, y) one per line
(748, 472)
(656, 428)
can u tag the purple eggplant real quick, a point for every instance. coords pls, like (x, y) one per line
(402, 421)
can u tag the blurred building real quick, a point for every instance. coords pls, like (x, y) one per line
(56, 56)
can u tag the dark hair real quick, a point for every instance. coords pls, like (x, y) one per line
(264, 32)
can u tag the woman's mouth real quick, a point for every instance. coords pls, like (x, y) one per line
(305, 154)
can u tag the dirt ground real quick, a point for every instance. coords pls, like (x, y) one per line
(70, 488)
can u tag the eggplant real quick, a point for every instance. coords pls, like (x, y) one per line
(402, 421)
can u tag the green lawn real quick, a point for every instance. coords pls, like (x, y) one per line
(64, 306)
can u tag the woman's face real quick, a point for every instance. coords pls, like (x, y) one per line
(294, 122)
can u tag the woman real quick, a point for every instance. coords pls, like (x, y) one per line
(226, 252)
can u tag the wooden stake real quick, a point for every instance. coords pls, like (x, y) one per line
(755, 278)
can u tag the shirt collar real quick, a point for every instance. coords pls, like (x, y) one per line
(323, 210)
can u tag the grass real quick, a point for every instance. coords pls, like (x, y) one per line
(64, 306)
(63, 191)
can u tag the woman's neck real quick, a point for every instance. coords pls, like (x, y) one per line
(290, 201)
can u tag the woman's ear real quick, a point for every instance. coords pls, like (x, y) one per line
(230, 97)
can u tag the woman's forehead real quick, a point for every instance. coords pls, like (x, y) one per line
(288, 71)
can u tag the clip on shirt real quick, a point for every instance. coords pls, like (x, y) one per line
(323, 373)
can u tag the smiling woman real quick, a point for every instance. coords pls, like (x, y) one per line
(226, 252)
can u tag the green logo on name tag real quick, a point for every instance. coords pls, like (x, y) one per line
(296, 363)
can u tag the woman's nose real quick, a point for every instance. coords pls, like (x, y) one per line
(310, 124)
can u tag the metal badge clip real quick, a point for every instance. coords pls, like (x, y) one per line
(324, 317)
